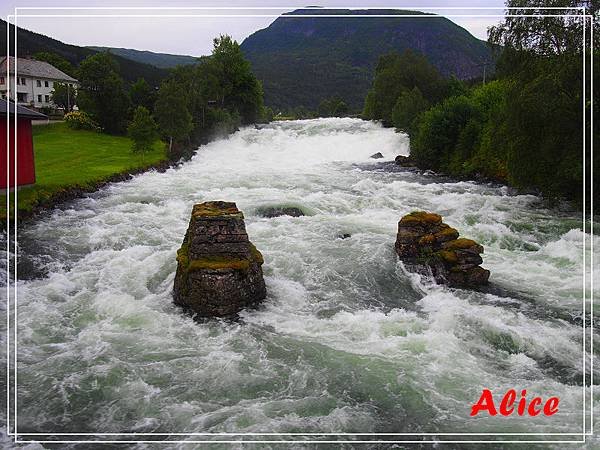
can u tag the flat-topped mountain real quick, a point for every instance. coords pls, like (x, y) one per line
(302, 60)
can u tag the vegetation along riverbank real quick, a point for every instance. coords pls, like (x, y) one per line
(522, 126)
(122, 129)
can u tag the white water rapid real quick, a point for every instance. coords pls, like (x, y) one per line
(346, 340)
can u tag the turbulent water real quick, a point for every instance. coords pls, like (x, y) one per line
(346, 341)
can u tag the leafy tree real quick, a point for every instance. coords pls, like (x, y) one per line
(542, 121)
(543, 36)
(64, 96)
(397, 73)
(102, 92)
(171, 112)
(408, 106)
(57, 61)
(333, 107)
(142, 130)
(238, 89)
(142, 94)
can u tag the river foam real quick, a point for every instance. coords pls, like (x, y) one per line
(347, 340)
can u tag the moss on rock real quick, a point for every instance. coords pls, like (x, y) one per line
(423, 240)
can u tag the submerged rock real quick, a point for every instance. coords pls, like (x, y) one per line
(218, 269)
(404, 161)
(276, 211)
(377, 155)
(425, 242)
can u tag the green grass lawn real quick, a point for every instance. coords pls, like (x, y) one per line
(66, 158)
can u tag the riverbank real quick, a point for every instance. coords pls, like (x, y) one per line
(71, 163)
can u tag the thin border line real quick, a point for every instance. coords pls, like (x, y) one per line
(320, 8)
(15, 304)
(8, 267)
(584, 286)
(346, 16)
(584, 15)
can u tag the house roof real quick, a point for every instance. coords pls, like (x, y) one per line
(21, 111)
(35, 69)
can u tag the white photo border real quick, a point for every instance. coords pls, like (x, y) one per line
(582, 14)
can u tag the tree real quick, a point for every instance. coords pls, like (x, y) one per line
(542, 57)
(396, 73)
(171, 112)
(239, 89)
(102, 92)
(57, 61)
(142, 94)
(64, 96)
(142, 130)
(543, 36)
(333, 107)
(409, 105)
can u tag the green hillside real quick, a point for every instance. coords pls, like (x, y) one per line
(29, 43)
(302, 60)
(162, 60)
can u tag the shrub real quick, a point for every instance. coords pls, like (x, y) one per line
(142, 131)
(409, 105)
(79, 120)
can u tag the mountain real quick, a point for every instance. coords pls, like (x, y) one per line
(162, 60)
(29, 43)
(303, 60)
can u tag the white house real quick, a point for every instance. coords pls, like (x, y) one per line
(34, 83)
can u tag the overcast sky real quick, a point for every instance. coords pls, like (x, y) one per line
(190, 35)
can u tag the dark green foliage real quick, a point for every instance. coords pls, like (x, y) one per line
(211, 98)
(238, 89)
(172, 114)
(395, 74)
(102, 92)
(333, 107)
(302, 61)
(142, 131)
(64, 96)
(161, 60)
(545, 120)
(142, 94)
(465, 134)
(408, 106)
(57, 61)
(527, 127)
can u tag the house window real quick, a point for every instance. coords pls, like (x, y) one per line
(23, 81)
(46, 83)
(39, 83)
(47, 99)
(1, 80)
(21, 97)
(39, 99)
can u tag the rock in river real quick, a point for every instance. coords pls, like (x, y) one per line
(276, 211)
(425, 242)
(404, 161)
(218, 269)
(377, 155)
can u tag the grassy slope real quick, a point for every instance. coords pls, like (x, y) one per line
(66, 158)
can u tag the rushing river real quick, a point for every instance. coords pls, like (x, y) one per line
(346, 341)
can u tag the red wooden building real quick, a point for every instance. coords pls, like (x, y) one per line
(25, 157)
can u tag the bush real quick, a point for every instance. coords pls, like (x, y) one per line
(465, 135)
(409, 105)
(222, 122)
(79, 120)
(142, 131)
